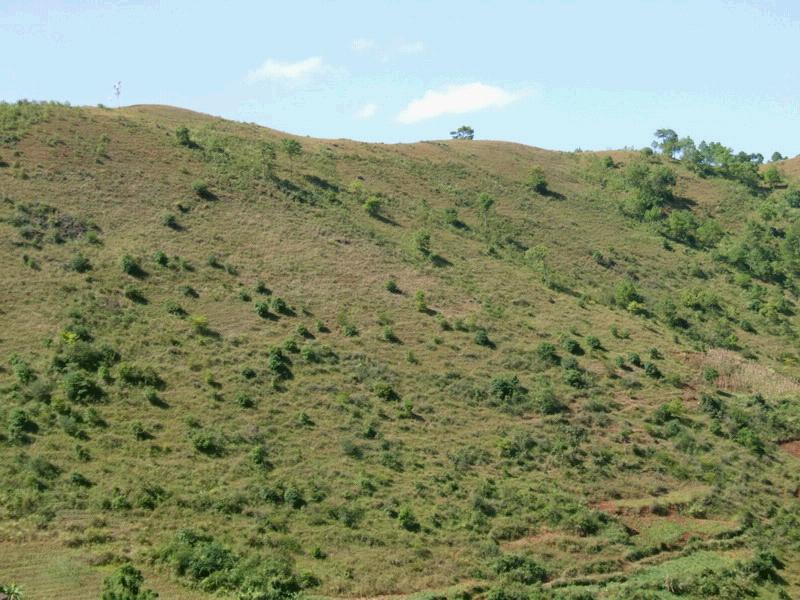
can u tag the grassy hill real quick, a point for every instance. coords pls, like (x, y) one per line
(456, 368)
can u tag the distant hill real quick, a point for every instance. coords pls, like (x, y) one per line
(256, 365)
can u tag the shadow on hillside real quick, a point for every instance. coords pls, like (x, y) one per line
(321, 183)
(440, 261)
(290, 188)
(680, 202)
(387, 220)
(553, 195)
(210, 333)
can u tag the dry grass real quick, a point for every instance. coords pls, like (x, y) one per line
(741, 376)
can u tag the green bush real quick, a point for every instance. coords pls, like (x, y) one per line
(80, 387)
(407, 519)
(139, 376)
(652, 370)
(160, 258)
(126, 584)
(262, 309)
(385, 391)
(572, 346)
(372, 206)
(546, 352)
(419, 301)
(537, 180)
(482, 338)
(245, 401)
(79, 263)
(170, 220)
(519, 568)
(279, 306)
(206, 442)
(422, 242)
(201, 189)
(594, 342)
(131, 266)
(182, 135)
(391, 286)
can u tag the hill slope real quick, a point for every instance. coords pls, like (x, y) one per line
(364, 369)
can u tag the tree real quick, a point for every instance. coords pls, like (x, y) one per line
(292, 148)
(772, 176)
(182, 134)
(268, 157)
(372, 206)
(537, 180)
(666, 141)
(465, 132)
(776, 156)
(126, 584)
(422, 242)
(486, 204)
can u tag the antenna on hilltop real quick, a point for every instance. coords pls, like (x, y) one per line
(117, 91)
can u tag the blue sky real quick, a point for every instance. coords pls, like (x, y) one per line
(558, 75)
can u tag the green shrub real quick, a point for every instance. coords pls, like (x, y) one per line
(652, 370)
(206, 442)
(22, 370)
(537, 180)
(182, 135)
(482, 338)
(385, 391)
(79, 263)
(351, 449)
(422, 242)
(262, 309)
(594, 342)
(625, 293)
(419, 301)
(139, 376)
(519, 568)
(244, 400)
(134, 294)
(80, 387)
(126, 584)
(391, 286)
(199, 324)
(201, 189)
(293, 497)
(545, 400)
(279, 306)
(572, 346)
(546, 352)
(388, 335)
(170, 220)
(160, 258)
(372, 206)
(189, 291)
(407, 519)
(507, 390)
(131, 266)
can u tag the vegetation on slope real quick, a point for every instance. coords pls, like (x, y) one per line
(265, 366)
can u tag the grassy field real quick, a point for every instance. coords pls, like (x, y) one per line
(372, 370)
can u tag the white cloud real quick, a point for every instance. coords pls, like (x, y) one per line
(363, 44)
(411, 48)
(367, 111)
(455, 100)
(286, 71)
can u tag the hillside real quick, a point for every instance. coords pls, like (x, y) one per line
(256, 369)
